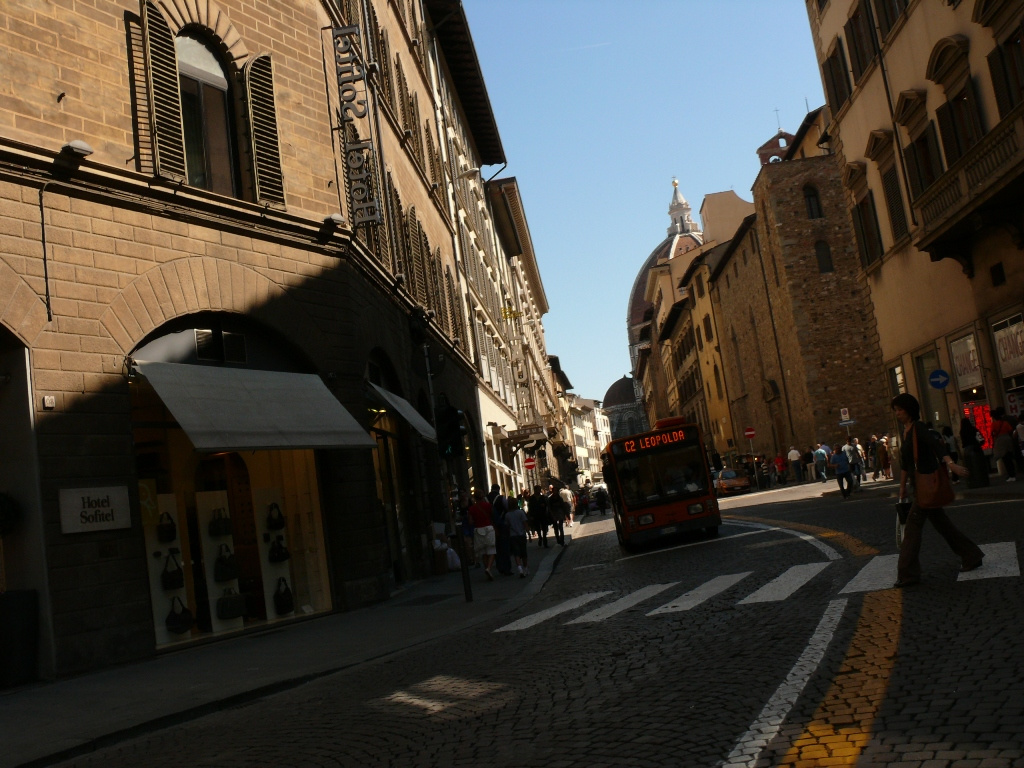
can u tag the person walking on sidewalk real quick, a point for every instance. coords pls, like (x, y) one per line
(517, 524)
(568, 502)
(795, 464)
(1003, 448)
(840, 460)
(602, 501)
(539, 517)
(499, 509)
(930, 451)
(557, 512)
(820, 462)
(483, 532)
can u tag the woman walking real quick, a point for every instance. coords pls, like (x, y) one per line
(921, 452)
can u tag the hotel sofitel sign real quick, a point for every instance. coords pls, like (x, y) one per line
(359, 154)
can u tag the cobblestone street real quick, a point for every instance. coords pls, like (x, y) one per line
(694, 653)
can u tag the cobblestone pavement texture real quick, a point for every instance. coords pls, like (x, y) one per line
(930, 677)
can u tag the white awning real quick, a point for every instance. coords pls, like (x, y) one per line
(243, 409)
(407, 412)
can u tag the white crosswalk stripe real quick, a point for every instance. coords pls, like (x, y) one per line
(704, 592)
(1000, 560)
(878, 573)
(537, 618)
(622, 604)
(785, 585)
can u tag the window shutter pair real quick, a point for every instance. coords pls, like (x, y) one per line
(165, 110)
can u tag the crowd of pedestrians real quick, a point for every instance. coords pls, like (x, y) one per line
(495, 528)
(852, 463)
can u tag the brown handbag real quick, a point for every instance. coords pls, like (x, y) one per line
(932, 490)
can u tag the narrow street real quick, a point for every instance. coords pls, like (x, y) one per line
(780, 642)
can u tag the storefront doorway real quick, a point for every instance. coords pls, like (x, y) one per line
(228, 486)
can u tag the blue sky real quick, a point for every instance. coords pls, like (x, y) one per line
(599, 105)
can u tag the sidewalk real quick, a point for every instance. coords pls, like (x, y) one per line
(45, 723)
(997, 488)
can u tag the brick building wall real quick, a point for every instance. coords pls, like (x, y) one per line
(96, 256)
(810, 331)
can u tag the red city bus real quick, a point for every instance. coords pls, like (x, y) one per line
(659, 483)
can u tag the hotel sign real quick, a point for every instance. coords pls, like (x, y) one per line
(94, 509)
(359, 154)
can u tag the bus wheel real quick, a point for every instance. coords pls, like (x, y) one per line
(711, 530)
(626, 546)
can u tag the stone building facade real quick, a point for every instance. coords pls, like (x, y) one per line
(227, 229)
(926, 113)
(796, 326)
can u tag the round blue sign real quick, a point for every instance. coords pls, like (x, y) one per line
(938, 378)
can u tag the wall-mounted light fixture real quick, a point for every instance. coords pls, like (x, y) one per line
(469, 173)
(72, 154)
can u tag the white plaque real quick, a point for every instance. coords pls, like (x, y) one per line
(966, 365)
(1010, 349)
(94, 509)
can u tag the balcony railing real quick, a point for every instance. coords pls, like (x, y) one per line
(985, 169)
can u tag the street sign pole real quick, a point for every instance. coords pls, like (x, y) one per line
(757, 477)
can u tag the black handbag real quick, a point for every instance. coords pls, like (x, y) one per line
(220, 523)
(284, 602)
(173, 576)
(275, 520)
(166, 530)
(179, 619)
(230, 605)
(225, 568)
(278, 551)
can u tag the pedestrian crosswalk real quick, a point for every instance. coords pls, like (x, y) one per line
(878, 573)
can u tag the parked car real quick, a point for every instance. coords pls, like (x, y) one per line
(732, 481)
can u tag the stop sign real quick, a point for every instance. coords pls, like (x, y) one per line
(749, 433)
(530, 463)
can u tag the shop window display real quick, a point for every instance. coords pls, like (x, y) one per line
(235, 540)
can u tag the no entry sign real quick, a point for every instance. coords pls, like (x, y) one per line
(530, 463)
(749, 433)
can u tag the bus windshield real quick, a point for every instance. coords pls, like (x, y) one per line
(661, 475)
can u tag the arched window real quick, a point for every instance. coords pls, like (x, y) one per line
(206, 118)
(813, 202)
(198, 102)
(824, 256)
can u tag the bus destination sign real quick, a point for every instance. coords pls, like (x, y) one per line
(655, 440)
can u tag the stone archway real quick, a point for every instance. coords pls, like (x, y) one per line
(199, 284)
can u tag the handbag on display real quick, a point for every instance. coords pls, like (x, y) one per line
(275, 520)
(230, 605)
(220, 523)
(166, 530)
(173, 575)
(179, 619)
(278, 551)
(225, 568)
(932, 490)
(284, 602)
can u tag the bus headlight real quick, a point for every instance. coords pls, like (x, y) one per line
(645, 519)
(695, 509)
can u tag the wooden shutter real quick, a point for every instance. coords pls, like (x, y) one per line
(858, 231)
(874, 244)
(947, 130)
(894, 203)
(1000, 85)
(164, 95)
(853, 40)
(259, 81)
